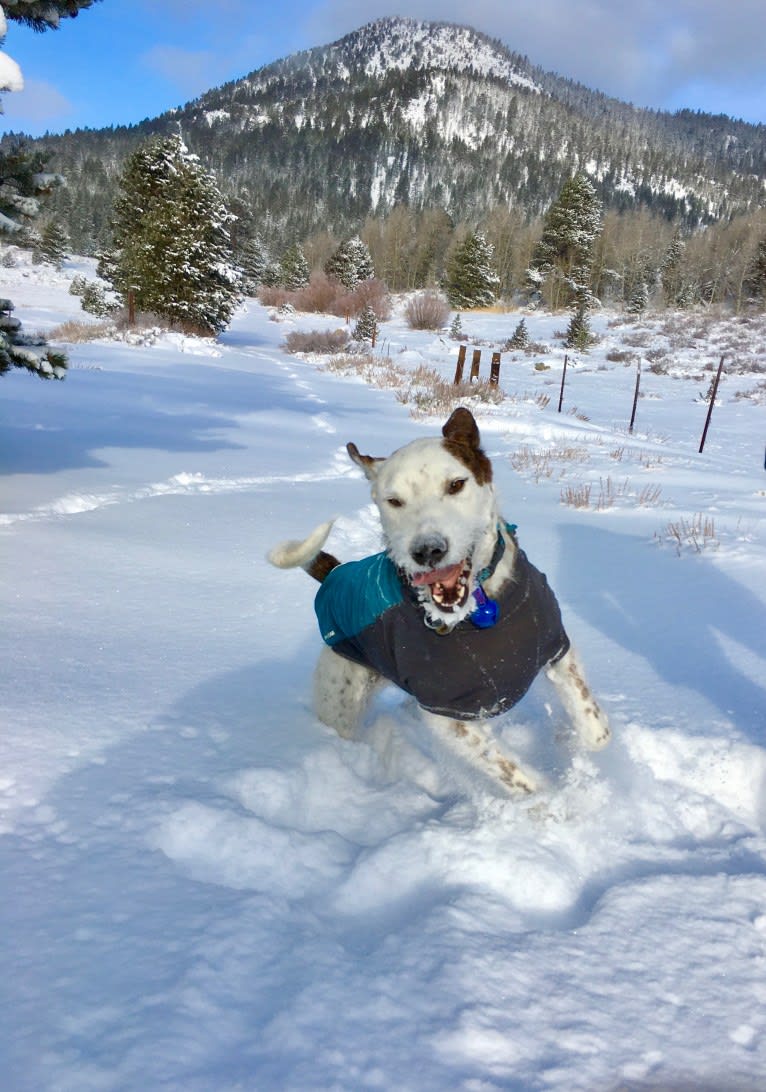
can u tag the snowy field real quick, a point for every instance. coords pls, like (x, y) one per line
(204, 889)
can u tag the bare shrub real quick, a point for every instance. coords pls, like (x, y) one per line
(372, 293)
(78, 332)
(695, 534)
(273, 295)
(639, 340)
(576, 496)
(430, 395)
(537, 464)
(318, 295)
(316, 341)
(621, 356)
(427, 311)
(649, 496)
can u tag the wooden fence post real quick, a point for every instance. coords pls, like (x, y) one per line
(494, 375)
(459, 369)
(713, 393)
(563, 379)
(475, 364)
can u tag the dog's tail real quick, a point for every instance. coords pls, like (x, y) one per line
(306, 554)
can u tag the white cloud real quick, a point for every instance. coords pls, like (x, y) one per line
(645, 51)
(194, 71)
(190, 71)
(40, 103)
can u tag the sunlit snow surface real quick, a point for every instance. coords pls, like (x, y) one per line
(204, 889)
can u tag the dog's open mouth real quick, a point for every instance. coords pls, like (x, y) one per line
(448, 587)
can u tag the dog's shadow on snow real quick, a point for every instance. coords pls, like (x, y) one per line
(620, 585)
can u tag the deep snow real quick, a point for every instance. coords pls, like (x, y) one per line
(205, 889)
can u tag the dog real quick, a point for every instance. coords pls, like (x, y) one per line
(452, 611)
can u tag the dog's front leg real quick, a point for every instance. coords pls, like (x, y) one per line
(342, 691)
(473, 741)
(589, 720)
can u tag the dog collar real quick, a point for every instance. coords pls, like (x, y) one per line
(485, 613)
(497, 555)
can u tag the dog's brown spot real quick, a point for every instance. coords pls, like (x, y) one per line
(462, 440)
(322, 565)
(459, 729)
(512, 776)
(579, 682)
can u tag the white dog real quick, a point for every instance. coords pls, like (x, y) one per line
(452, 611)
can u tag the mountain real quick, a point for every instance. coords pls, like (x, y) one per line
(431, 115)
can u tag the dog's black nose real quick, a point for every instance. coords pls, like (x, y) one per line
(429, 550)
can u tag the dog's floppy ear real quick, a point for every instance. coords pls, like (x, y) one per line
(369, 463)
(461, 438)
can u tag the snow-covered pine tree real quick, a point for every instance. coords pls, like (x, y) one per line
(671, 272)
(366, 328)
(171, 251)
(294, 270)
(578, 332)
(519, 339)
(53, 243)
(19, 350)
(44, 14)
(639, 298)
(253, 259)
(471, 280)
(351, 263)
(22, 180)
(562, 260)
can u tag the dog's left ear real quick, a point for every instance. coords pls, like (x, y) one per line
(462, 429)
(369, 463)
(461, 435)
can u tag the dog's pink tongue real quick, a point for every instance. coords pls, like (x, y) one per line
(446, 576)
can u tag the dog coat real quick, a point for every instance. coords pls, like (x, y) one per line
(369, 614)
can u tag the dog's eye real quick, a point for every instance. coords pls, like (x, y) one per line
(456, 486)
(395, 502)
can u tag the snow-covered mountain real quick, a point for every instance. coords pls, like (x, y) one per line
(431, 115)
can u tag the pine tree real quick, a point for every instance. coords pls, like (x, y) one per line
(294, 270)
(366, 328)
(171, 251)
(44, 14)
(54, 243)
(22, 181)
(671, 272)
(755, 278)
(519, 339)
(351, 263)
(639, 298)
(253, 259)
(19, 350)
(578, 332)
(471, 279)
(456, 328)
(561, 263)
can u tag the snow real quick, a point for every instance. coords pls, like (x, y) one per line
(11, 78)
(207, 889)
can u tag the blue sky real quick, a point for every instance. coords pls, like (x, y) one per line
(125, 60)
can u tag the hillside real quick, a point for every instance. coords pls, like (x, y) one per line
(427, 115)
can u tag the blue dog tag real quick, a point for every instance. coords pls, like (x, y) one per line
(485, 613)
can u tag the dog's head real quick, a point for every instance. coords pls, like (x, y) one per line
(438, 511)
